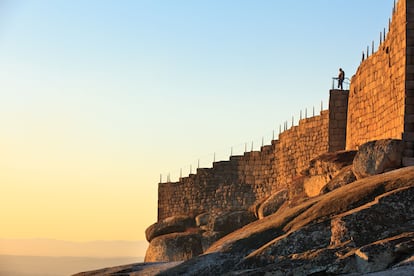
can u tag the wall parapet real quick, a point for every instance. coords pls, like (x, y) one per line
(244, 180)
(379, 105)
(377, 90)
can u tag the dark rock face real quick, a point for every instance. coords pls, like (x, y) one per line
(377, 157)
(325, 168)
(168, 226)
(344, 177)
(202, 219)
(272, 204)
(389, 215)
(380, 255)
(228, 222)
(209, 264)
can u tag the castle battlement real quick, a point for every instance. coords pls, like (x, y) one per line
(379, 105)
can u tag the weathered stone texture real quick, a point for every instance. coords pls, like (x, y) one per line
(272, 204)
(174, 247)
(297, 146)
(338, 113)
(408, 136)
(376, 157)
(377, 94)
(246, 180)
(168, 226)
(379, 105)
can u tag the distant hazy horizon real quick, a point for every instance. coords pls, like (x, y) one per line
(57, 266)
(59, 248)
(47, 257)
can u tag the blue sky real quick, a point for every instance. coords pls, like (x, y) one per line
(101, 97)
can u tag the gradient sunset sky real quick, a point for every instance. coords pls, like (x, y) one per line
(98, 97)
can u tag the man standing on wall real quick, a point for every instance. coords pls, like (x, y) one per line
(341, 78)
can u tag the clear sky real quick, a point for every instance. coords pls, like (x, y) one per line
(99, 97)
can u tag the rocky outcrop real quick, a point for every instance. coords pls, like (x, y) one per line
(376, 157)
(344, 177)
(182, 238)
(168, 226)
(350, 227)
(330, 163)
(174, 247)
(323, 169)
(132, 269)
(362, 227)
(272, 204)
(381, 254)
(228, 222)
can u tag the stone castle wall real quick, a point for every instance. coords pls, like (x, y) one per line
(379, 105)
(408, 136)
(246, 180)
(297, 146)
(377, 92)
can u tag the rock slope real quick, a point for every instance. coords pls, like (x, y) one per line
(345, 226)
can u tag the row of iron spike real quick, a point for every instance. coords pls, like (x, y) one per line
(285, 128)
(382, 37)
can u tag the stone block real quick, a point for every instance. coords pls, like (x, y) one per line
(409, 84)
(409, 145)
(408, 161)
(409, 109)
(409, 127)
(408, 136)
(410, 67)
(408, 152)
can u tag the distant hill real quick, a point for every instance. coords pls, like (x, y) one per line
(57, 248)
(56, 266)
(46, 257)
